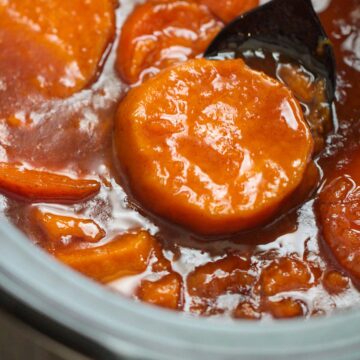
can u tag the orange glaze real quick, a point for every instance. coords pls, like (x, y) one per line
(160, 33)
(73, 137)
(203, 147)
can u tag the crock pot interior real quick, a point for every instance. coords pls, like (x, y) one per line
(96, 321)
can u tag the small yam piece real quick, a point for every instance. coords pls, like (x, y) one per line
(126, 255)
(37, 185)
(286, 308)
(285, 274)
(161, 33)
(246, 310)
(228, 275)
(335, 282)
(214, 140)
(57, 227)
(165, 292)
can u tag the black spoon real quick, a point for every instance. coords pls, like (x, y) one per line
(290, 27)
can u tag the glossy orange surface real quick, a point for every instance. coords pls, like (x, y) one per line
(197, 137)
(160, 33)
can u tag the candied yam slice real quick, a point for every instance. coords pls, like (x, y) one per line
(44, 186)
(228, 10)
(335, 282)
(126, 255)
(286, 308)
(165, 292)
(56, 227)
(196, 136)
(53, 47)
(228, 275)
(285, 274)
(339, 215)
(246, 310)
(161, 33)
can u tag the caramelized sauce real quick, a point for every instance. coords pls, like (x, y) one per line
(282, 270)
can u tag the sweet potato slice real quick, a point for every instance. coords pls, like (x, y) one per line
(228, 275)
(165, 292)
(228, 10)
(59, 227)
(161, 33)
(126, 255)
(339, 213)
(197, 136)
(53, 47)
(37, 185)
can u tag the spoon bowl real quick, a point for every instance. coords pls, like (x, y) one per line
(290, 27)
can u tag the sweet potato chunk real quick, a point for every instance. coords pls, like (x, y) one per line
(126, 255)
(59, 227)
(335, 282)
(286, 308)
(161, 33)
(197, 136)
(44, 186)
(216, 278)
(285, 274)
(228, 10)
(246, 310)
(53, 47)
(165, 292)
(339, 210)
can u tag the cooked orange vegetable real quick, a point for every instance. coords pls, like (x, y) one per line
(53, 47)
(214, 140)
(285, 308)
(127, 254)
(340, 216)
(228, 10)
(216, 278)
(165, 292)
(285, 274)
(160, 33)
(246, 310)
(44, 186)
(335, 282)
(58, 227)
